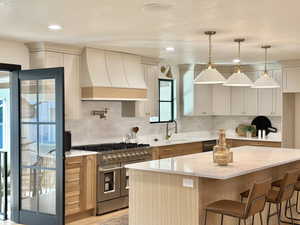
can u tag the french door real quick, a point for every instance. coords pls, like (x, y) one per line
(37, 132)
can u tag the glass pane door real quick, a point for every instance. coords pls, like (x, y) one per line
(41, 127)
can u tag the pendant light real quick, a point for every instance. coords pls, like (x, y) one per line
(265, 81)
(239, 79)
(209, 75)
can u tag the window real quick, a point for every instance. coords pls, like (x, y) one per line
(167, 101)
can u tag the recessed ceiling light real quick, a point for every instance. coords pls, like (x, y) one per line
(236, 60)
(54, 27)
(170, 49)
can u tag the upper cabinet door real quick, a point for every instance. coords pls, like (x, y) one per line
(277, 94)
(115, 68)
(134, 71)
(251, 97)
(265, 99)
(291, 80)
(202, 99)
(221, 100)
(54, 59)
(237, 98)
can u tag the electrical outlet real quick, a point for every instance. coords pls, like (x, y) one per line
(188, 183)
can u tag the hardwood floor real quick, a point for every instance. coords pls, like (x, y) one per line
(98, 220)
(94, 220)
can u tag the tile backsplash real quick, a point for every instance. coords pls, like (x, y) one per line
(91, 129)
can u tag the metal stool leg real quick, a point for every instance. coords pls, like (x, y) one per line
(278, 213)
(268, 216)
(239, 221)
(261, 220)
(291, 211)
(205, 217)
(245, 222)
(222, 218)
(253, 219)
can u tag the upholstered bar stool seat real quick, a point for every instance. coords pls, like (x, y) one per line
(227, 207)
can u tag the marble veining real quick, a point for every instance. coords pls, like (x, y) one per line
(75, 153)
(247, 159)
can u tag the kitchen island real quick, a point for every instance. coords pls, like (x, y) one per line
(174, 191)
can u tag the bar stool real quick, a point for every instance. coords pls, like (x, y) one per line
(297, 189)
(255, 204)
(284, 194)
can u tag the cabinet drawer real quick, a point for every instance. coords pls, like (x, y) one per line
(72, 209)
(180, 149)
(73, 161)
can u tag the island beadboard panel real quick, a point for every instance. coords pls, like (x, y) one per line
(160, 199)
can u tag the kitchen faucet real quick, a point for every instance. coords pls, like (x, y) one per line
(168, 136)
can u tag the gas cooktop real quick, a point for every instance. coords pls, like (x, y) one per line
(110, 146)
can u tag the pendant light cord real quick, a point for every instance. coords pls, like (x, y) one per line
(239, 57)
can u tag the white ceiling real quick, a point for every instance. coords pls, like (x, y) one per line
(125, 25)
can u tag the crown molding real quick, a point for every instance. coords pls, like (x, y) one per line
(53, 47)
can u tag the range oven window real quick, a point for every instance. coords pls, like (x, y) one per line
(109, 181)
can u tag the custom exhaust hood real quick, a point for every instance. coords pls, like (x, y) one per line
(110, 75)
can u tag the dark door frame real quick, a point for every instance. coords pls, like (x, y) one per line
(9, 67)
(15, 144)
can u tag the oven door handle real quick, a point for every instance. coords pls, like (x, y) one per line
(110, 169)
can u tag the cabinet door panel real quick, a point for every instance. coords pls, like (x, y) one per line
(72, 87)
(237, 100)
(251, 95)
(202, 99)
(54, 59)
(291, 80)
(277, 94)
(221, 100)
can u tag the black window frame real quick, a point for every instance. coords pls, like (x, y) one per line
(172, 101)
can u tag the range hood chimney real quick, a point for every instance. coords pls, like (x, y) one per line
(110, 75)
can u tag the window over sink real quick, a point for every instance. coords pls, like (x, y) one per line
(166, 102)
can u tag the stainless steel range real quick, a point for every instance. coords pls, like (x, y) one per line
(113, 179)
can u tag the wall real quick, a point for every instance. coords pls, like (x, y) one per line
(14, 53)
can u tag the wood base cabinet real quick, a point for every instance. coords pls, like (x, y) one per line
(169, 151)
(80, 187)
(238, 143)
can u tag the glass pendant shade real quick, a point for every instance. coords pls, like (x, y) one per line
(265, 81)
(238, 79)
(210, 76)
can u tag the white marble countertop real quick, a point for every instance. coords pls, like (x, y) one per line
(247, 159)
(74, 153)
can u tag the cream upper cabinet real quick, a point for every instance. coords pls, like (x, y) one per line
(251, 97)
(72, 87)
(197, 98)
(116, 70)
(202, 99)
(134, 71)
(291, 80)
(149, 108)
(71, 64)
(221, 100)
(277, 94)
(238, 100)
(270, 100)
